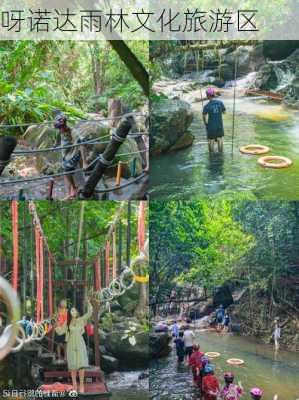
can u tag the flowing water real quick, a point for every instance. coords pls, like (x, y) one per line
(275, 374)
(128, 386)
(193, 172)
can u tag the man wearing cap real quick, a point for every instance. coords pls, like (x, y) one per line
(212, 117)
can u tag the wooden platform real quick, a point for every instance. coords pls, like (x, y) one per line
(52, 376)
(263, 93)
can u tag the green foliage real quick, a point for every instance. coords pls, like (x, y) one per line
(37, 78)
(209, 243)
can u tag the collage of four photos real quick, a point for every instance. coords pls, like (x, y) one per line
(149, 219)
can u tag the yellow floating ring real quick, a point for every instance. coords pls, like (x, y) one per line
(212, 354)
(141, 279)
(235, 361)
(254, 149)
(275, 162)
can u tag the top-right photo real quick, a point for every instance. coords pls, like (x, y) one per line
(224, 119)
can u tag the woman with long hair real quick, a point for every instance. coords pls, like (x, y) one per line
(76, 351)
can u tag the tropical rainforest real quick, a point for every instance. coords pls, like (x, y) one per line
(245, 245)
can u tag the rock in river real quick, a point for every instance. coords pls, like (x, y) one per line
(170, 120)
(159, 344)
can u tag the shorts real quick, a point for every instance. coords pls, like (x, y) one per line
(59, 339)
(215, 135)
(71, 164)
(220, 320)
(188, 351)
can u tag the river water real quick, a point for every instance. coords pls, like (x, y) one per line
(275, 374)
(193, 172)
(127, 386)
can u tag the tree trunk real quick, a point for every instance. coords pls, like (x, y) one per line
(133, 64)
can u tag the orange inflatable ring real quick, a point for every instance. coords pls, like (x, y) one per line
(254, 149)
(275, 162)
(212, 354)
(235, 361)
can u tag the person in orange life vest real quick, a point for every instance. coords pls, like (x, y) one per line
(195, 362)
(60, 330)
(210, 384)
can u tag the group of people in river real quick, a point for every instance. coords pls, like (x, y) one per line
(69, 328)
(203, 370)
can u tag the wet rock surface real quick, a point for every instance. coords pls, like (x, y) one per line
(170, 120)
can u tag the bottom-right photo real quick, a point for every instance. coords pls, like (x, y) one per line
(224, 300)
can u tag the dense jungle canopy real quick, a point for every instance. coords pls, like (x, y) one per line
(253, 244)
(37, 78)
(61, 223)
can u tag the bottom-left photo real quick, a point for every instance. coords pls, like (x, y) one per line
(74, 299)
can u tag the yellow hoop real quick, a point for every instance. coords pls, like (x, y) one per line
(141, 279)
(235, 361)
(212, 354)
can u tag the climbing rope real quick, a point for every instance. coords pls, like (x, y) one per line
(15, 235)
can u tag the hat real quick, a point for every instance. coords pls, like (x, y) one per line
(210, 92)
(256, 391)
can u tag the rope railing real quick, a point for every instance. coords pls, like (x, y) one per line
(70, 146)
(60, 174)
(14, 126)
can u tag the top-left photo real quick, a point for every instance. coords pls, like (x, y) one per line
(74, 120)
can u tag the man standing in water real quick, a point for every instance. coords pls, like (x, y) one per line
(212, 117)
(276, 333)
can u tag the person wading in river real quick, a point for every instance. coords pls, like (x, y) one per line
(180, 347)
(256, 393)
(195, 362)
(230, 391)
(219, 317)
(71, 157)
(210, 384)
(276, 333)
(188, 342)
(212, 117)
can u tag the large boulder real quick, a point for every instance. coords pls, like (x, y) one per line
(109, 364)
(128, 355)
(223, 295)
(42, 137)
(159, 344)
(248, 59)
(169, 123)
(279, 49)
(283, 77)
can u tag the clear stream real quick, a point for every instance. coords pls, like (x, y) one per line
(274, 374)
(193, 172)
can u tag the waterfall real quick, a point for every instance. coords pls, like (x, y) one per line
(284, 74)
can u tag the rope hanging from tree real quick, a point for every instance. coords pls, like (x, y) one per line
(141, 225)
(107, 262)
(114, 259)
(15, 232)
(97, 274)
(50, 287)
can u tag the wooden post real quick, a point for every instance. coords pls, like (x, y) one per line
(118, 175)
(107, 157)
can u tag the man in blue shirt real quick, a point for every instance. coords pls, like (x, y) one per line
(212, 117)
